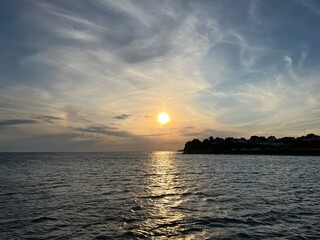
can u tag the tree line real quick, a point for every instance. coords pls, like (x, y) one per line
(304, 145)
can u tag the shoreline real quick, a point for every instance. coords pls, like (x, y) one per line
(282, 152)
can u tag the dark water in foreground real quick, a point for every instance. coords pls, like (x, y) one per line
(158, 196)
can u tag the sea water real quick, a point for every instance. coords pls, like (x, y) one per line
(158, 195)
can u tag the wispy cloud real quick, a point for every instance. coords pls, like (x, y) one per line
(49, 119)
(10, 122)
(312, 5)
(122, 117)
(210, 132)
(105, 131)
(240, 67)
(66, 142)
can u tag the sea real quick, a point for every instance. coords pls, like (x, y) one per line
(158, 195)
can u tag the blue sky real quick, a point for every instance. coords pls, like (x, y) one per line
(93, 75)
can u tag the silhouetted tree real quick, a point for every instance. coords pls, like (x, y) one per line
(309, 144)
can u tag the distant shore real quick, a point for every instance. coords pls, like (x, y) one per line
(308, 145)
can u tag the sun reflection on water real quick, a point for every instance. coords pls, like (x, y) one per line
(162, 185)
(165, 193)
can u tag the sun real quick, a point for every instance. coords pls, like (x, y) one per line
(163, 118)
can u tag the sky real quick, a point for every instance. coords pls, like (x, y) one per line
(82, 75)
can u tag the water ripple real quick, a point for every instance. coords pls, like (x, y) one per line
(160, 195)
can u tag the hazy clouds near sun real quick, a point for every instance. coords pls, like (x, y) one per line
(93, 75)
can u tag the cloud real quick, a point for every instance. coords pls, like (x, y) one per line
(122, 117)
(62, 142)
(49, 119)
(108, 131)
(157, 134)
(270, 14)
(211, 132)
(10, 122)
(303, 55)
(288, 60)
(141, 50)
(239, 66)
(312, 5)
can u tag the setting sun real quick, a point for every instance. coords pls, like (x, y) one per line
(163, 118)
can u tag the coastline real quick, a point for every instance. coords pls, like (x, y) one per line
(257, 145)
(271, 153)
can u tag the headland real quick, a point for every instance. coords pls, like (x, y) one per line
(308, 145)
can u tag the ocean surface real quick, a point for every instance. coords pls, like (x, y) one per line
(158, 195)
